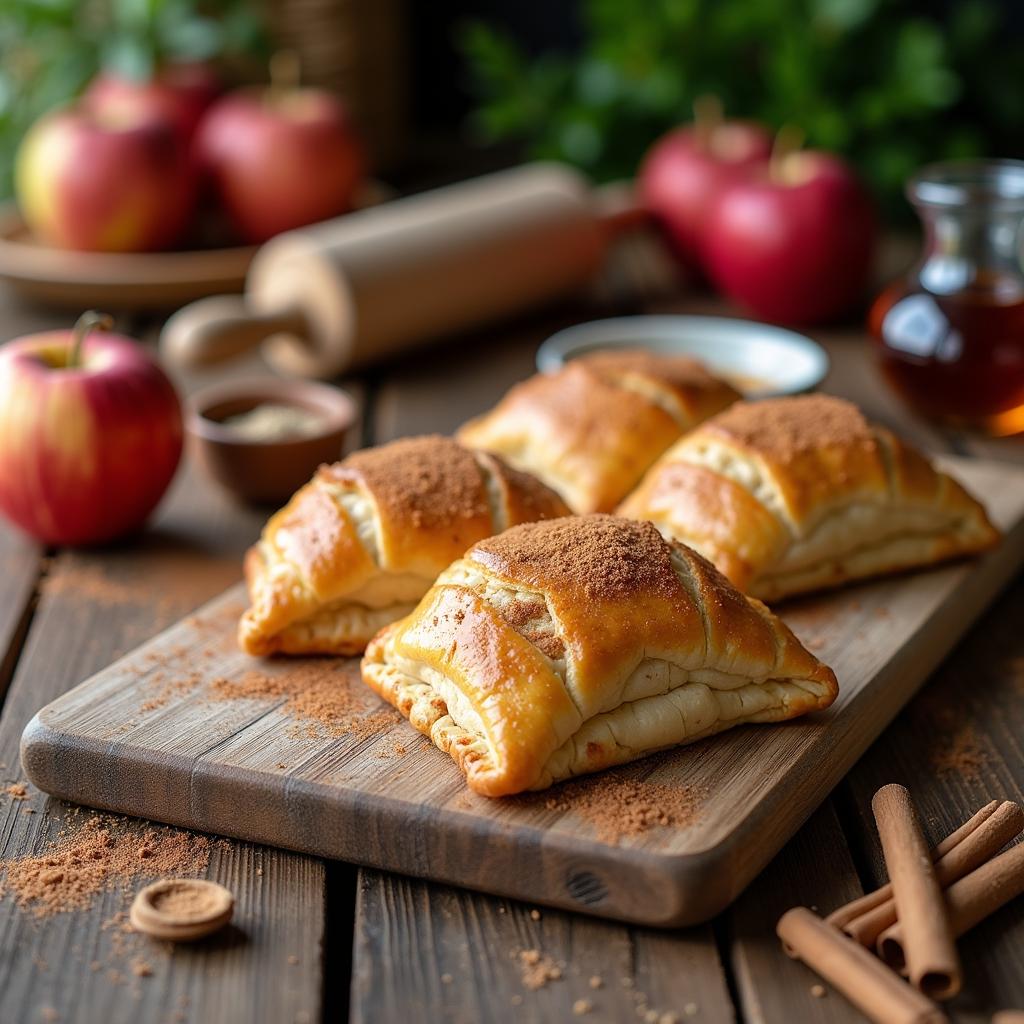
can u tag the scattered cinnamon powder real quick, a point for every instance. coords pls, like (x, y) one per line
(140, 968)
(92, 581)
(955, 747)
(959, 753)
(89, 859)
(623, 807)
(537, 969)
(319, 694)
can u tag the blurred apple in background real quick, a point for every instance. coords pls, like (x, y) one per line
(91, 430)
(685, 168)
(107, 181)
(793, 243)
(280, 157)
(177, 93)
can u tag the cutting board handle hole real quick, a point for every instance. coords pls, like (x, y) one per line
(586, 887)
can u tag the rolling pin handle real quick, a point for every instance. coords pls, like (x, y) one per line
(220, 327)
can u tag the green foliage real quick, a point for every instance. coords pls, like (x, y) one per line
(877, 80)
(51, 48)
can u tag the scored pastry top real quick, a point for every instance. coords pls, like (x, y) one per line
(795, 494)
(566, 646)
(592, 429)
(360, 543)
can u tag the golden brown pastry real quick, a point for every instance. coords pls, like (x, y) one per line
(797, 494)
(564, 647)
(361, 543)
(592, 429)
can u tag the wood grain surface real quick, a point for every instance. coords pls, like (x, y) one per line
(92, 607)
(375, 942)
(245, 767)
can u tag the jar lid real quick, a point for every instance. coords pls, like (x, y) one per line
(998, 183)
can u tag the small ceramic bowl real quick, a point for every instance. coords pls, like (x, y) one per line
(759, 360)
(266, 472)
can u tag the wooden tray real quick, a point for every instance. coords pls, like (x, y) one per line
(149, 736)
(128, 280)
(115, 280)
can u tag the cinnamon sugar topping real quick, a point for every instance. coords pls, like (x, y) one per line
(598, 556)
(788, 427)
(428, 480)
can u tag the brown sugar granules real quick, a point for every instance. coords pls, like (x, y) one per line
(16, 791)
(318, 693)
(622, 807)
(537, 969)
(93, 857)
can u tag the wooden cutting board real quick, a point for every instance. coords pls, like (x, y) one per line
(188, 730)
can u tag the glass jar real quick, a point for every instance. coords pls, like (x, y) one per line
(950, 334)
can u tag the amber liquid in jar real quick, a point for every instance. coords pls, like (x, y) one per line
(950, 335)
(957, 358)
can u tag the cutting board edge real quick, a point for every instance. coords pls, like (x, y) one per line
(698, 871)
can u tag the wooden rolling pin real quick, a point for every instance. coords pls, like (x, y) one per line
(337, 295)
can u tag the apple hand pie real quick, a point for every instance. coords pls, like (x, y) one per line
(592, 429)
(565, 647)
(799, 494)
(362, 542)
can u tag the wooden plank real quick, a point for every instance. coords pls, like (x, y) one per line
(959, 744)
(814, 869)
(21, 562)
(218, 765)
(428, 952)
(95, 605)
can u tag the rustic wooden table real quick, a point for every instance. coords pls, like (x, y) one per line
(319, 941)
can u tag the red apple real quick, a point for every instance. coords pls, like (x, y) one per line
(280, 158)
(91, 434)
(86, 179)
(178, 94)
(794, 243)
(685, 168)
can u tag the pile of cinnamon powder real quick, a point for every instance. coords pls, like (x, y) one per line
(622, 807)
(86, 860)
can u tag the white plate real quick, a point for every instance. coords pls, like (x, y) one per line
(758, 359)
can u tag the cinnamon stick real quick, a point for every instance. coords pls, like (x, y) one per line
(855, 972)
(991, 831)
(849, 912)
(968, 901)
(932, 962)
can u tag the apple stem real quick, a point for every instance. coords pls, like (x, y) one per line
(87, 323)
(788, 139)
(285, 71)
(708, 114)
